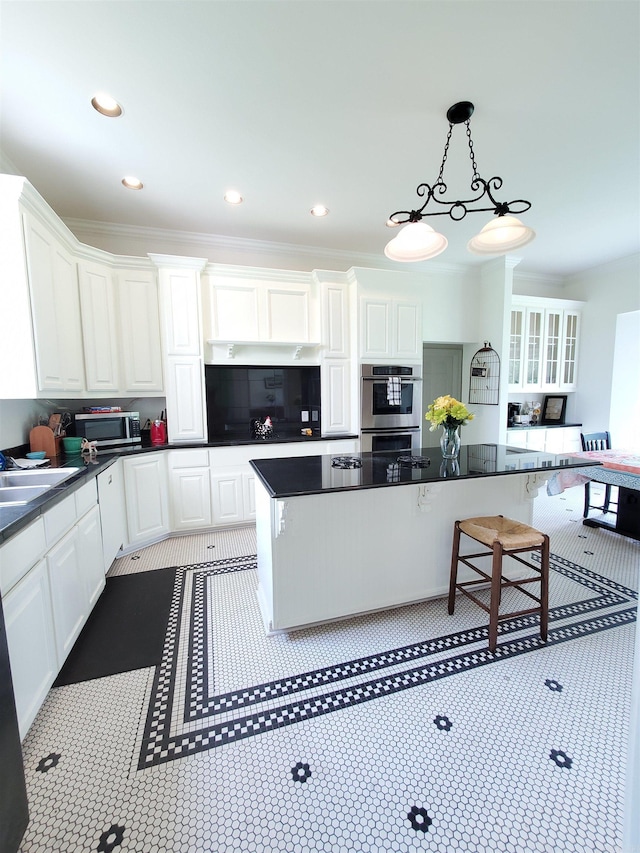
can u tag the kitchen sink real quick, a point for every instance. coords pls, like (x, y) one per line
(29, 478)
(20, 495)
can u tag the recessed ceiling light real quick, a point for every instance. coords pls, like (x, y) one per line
(132, 183)
(106, 105)
(233, 197)
(319, 210)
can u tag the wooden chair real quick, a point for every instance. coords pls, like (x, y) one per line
(505, 538)
(595, 441)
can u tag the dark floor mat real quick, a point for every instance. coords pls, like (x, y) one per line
(126, 629)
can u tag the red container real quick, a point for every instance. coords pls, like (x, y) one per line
(158, 432)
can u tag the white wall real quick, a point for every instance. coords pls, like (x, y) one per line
(625, 386)
(17, 417)
(608, 290)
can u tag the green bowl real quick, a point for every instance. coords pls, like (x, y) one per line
(71, 443)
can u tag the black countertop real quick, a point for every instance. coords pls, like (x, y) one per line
(14, 518)
(313, 475)
(516, 427)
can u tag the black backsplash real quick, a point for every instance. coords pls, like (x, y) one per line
(239, 396)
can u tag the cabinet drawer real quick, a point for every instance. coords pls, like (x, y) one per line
(188, 459)
(20, 553)
(86, 497)
(59, 519)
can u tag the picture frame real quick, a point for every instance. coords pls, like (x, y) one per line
(553, 409)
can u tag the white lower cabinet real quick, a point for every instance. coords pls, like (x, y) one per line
(113, 513)
(145, 484)
(32, 642)
(90, 555)
(553, 440)
(189, 489)
(227, 497)
(68, 593)
(52, 574)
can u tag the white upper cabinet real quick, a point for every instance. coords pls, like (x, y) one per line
(55, 305)
(390, 328)
(140, 328)
(543, 345)
(99, 327)
(179, 287)
(247, 310)
(180, 308)
(335, 320)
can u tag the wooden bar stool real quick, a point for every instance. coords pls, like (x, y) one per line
(505, 538)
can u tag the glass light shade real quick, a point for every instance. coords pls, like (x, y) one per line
(416, 242)
(501, 235)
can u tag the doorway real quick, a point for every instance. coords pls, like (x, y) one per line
(441, 374)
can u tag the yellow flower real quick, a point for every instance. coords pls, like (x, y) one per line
(448, 411)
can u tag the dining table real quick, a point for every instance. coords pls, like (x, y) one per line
(619, 468)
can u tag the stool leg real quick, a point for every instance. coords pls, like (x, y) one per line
(544, 588)
(607, 498)
(587, 500)
(496, 577)
(455, 550)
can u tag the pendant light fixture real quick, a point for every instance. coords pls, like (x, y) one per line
(417, 241)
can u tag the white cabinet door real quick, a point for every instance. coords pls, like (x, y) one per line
(534, 349)
(99, 327)
(31, 641)
(145, 482)
(185, 399)
(516, 349)
(90, 556)
(335, 320)
(406, 337)
(375, 330)
(335, 378)
(227, 499)
(140, 328)
(286, 317)
(55, 307)
(551, 351)
(569, 350)
(180, 302)
(190, 498)
(390, 328)
(113, 515)
(68, 593)
(233, 311)
(249, 496)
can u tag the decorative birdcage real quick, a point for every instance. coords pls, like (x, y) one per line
(484, 377)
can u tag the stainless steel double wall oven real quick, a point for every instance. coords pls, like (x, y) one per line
(391, 407)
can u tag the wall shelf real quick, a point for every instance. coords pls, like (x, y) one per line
(233, 346)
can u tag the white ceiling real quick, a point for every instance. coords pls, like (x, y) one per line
(298, 102)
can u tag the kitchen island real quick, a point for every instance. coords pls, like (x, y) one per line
(335, 540)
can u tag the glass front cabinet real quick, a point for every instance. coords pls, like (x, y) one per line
(543, 344)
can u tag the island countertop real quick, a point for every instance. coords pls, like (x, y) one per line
(312, 475)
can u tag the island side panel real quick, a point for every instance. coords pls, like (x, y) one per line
(332, 555)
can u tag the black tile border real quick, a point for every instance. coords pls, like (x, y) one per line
(159, 746)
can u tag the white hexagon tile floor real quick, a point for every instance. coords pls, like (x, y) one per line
(396, 731)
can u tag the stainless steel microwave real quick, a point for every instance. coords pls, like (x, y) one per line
(109, 429)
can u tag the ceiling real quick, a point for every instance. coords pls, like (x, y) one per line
(344, 103)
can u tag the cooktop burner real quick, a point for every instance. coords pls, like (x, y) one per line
(414, 461)
(346, 462)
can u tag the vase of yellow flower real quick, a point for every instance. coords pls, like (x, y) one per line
(450, 414)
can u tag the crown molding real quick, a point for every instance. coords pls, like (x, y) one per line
(316, 257)
(231, 271)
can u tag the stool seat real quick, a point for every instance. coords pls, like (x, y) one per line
(497, 528)
(505, 538)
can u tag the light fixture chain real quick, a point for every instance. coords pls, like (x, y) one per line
(444, 156)
(472, 157)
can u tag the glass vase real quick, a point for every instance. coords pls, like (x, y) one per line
(450, 441)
